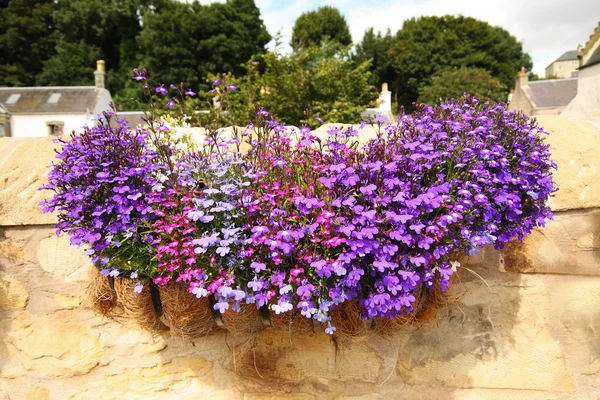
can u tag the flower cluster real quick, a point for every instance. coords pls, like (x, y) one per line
(102, 184)
(300, 223)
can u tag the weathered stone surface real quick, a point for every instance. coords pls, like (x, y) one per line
(47, 346)
(490, 344)
(179, 378)
(12, 293)
(570, 244)
(57, 256)
(22, 170)
(592, 369)
(38, 393)
(67, 302)
(574, 145)
(278, 396)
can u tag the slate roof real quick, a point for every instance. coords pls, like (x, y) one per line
(553, 92)
(568, 56)
(593, 60)
(34, 100)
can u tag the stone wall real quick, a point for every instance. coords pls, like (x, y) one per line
(523, 323)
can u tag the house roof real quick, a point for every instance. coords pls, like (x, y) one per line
(593, 60)
(568, 56)
(553, 93)
(49, 100)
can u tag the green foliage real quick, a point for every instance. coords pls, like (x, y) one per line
(377, 49)
(321, 81)
(26, 40)
(453, 83)
(72, 65)
(183, 42)
(428, 45)
(179, 42)
(88, 30)
(315, 27)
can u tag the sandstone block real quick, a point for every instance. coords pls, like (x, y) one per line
(47, 346)
(574, 145)
(496, 337)
(23, 170)
(38, 393)
(570, 244)
(12, 293)
(56, 256)
(179, 378)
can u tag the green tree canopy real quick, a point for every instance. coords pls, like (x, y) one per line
(315, 27)
(88, 30)
(26, 40)
(453, 83)
(183, 42)
(426, 46)
(376, 47)
(323, 81)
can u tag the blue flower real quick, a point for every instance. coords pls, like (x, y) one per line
(138, 287)
(221, 306)
(161, 90)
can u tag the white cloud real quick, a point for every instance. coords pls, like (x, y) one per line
(547, 28)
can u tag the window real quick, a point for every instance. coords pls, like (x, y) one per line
(55, 128)
(560, 67)
(575, 62)
(54, 98)
(3, 130)
(13, 98)
(573, 74)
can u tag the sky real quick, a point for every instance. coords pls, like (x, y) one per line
(547, 28)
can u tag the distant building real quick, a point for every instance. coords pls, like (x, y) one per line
(545, 97)
(564, 66)
(43, 111)
(385, 106)
(586, 104)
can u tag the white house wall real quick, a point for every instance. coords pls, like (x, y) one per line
(103, 103)
(36, 125)
(587, 101)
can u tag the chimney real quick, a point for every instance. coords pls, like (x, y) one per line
(100, 75)
(385, 97)
(522, 79)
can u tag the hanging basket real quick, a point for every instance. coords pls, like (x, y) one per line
(291, 322)
(425, 308)
(138, 306)
(347, 321)
(100, 296)
(184, 313)
(245, 323)
(173, 307)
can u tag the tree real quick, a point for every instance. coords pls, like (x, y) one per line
(426, 46)
(26, 40)
(315, 27)
(72, 65)
(88, 30)
(453, 83)
(183, 42)
(321, 81)
(377, 49)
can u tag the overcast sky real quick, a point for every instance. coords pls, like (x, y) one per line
(547, 28)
